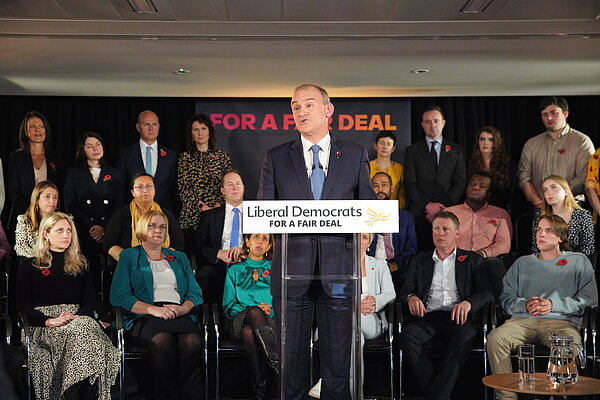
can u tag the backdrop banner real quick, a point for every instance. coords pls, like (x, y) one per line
(248, 128)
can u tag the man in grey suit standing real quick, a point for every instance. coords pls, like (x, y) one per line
(316, 166)
(435, 175)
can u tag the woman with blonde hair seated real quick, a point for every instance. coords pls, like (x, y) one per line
(157, 288)
(559, 200)
(43, 201)
(55, 291)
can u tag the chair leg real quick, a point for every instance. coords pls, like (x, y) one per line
(121, 346)
(206, 382)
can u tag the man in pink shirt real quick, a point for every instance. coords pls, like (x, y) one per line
(484, 229)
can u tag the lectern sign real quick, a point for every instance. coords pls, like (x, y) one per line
(323, 216)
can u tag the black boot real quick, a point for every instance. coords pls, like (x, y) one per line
(265, 337)
(260, 377)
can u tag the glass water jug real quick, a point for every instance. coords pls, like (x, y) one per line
(565, 356)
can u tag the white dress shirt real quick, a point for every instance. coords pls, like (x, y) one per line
(228, 224)
(325, 145)
(443, 293)
(154, 152)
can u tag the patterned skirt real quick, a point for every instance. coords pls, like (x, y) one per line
(61, 357)
(237, 324)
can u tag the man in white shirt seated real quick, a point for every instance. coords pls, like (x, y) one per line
(444, 292)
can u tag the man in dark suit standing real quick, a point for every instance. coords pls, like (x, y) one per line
(147, 155)
(316, 166)
(435, 174)
(218, 240)
(444, 290)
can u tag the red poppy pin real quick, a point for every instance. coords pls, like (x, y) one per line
(461, 258)
(337, 154)
(562, 262)
(46, 272)
(52, 165)
(562, 151)
(163, 152)
(493, 221)
(107, 177)
(447, 148)
(265, 274)
(596, 156)
(170, 258)
(213, 157)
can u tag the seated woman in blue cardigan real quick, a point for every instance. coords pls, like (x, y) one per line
(248, 303)
(157, 287)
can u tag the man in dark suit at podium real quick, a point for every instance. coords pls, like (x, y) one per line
(147, 155)
(316, 166)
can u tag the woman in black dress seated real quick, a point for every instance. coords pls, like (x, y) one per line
(56, 292)
(156, 286)
(120, 232)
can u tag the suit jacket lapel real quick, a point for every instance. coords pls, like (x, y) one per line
(297, 157)
(459, 273)
(444, 156)
(428, 276)
(137, 157)
(219, 226)
(146, 272)
(333, 169)
(427, 163)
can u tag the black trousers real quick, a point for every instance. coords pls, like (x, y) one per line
(334, 320)
(418, 334)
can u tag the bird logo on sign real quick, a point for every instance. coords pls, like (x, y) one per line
(375, 216)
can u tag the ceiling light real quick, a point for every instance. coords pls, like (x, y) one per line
(420, 71)
(475, 6)
(182, 71)
(142, 6)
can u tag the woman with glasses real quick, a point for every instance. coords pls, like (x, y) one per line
(156, 285)
(121, 230)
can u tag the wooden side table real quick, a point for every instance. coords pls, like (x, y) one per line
(542, 386)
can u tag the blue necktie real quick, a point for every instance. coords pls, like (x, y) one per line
(235, 229)
(318, 175)
(149, 160)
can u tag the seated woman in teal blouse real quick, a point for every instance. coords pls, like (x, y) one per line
(247, 302)
(157, 288)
